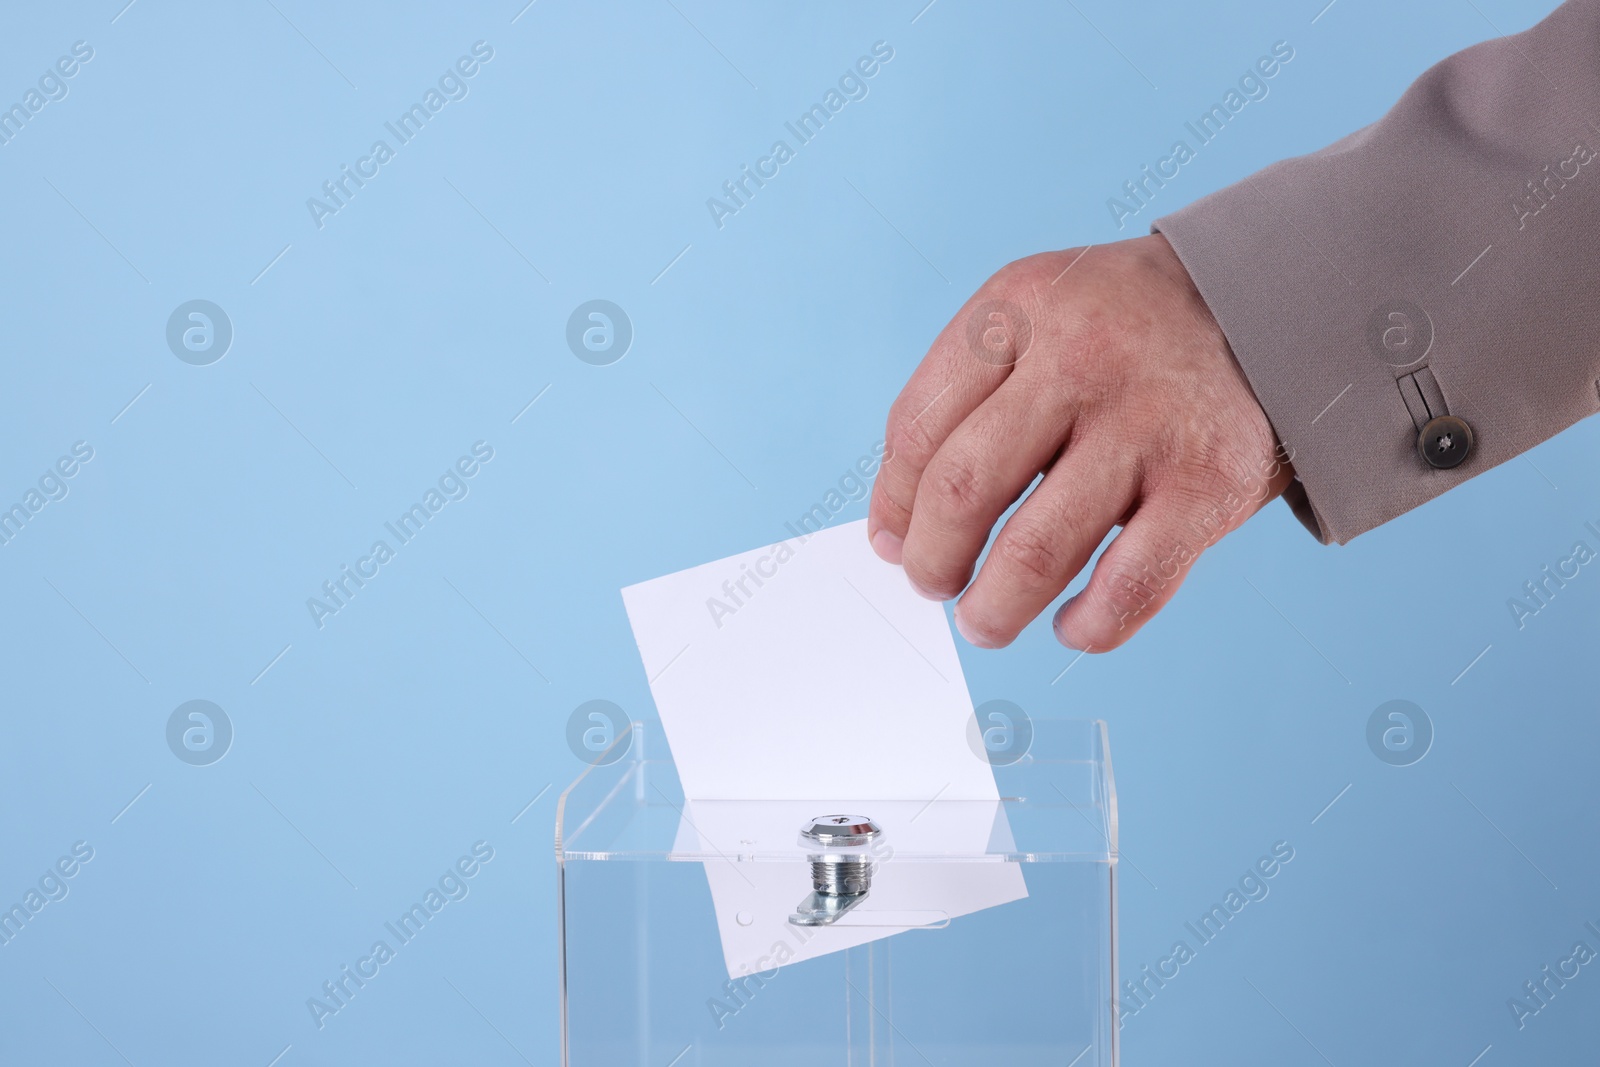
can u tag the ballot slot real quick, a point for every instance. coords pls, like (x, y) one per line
(676, 933)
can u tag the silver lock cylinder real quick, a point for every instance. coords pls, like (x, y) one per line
(841, 872)
(840, 830)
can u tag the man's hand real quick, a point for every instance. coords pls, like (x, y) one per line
(1104, 371)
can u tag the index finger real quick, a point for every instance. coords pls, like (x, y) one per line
(969, 359)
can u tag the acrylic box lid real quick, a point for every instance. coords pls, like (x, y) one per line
(1057, 804)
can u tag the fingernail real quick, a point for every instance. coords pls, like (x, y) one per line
(1055, 624)
(889, 548)
(976, 642)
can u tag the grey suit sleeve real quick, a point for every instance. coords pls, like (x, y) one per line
(1437, 271)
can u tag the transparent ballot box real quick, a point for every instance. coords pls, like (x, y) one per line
(734, 933)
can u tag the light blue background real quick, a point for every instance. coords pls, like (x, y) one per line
(428, 713)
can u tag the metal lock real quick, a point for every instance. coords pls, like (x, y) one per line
(841, 874)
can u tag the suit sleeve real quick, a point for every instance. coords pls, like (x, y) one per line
(1420, 301)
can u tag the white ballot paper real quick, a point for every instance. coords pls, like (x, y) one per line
(808, 678)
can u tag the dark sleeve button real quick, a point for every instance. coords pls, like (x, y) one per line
(1445, 442)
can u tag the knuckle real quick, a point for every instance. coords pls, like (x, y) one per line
(907, 440)
(955, 487)
(1030, 553)
(1022, 277)
(998, 322)
(893, 511)
(1014, 278)
(1128, 593)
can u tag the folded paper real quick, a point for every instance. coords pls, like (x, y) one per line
(808, 677)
